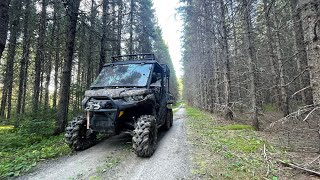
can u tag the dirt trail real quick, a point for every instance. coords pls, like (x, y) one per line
(170, 161)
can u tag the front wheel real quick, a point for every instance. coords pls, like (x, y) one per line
(77, 136)
(144, 138)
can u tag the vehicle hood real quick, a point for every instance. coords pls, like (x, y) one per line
(117, 92)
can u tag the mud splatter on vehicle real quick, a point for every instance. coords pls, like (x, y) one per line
(130, 95)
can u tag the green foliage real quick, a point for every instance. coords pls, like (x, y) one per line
(20, 152)
(41, 123)
(23, 147)
(32, 126)
(235, 127)
(177, 106)
(6, 129)
(269, 107)
(242, 144)
(195, 113)
(225, 152)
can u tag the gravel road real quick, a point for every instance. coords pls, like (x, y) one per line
(113, 159)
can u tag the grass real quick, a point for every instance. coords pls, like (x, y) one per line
(226, 152)
(110, 162)
(19, 152)
(176, 107)
(178, 104)
(6, 128)
(234, 127)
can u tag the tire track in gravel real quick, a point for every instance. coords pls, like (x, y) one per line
(83, 164)
(170, 161)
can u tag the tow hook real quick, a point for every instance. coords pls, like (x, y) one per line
(91, 106)
(88, 119)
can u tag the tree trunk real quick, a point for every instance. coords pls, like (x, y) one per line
(23, 108)
(252, 60)
(89, 57)
(215, 74)
(25, 54)
(226, 62)
(113, 28)
(79, 84)
(41, 80)
(81, 64)
(49, 59)
(8, 79)
(283, 88)
(39, 57)
(72, 8)
(301, 55)
(235, 58)
(104, 34)
(132, 7)
(271, 54)
(310, 24)
(119, 32)
(57, 57)
(4, 20)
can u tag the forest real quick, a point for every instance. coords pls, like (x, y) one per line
(50, 53)
(249, 95)
(252, 56)
(55, 49)
(254, 62)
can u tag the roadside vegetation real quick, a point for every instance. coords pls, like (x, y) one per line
(223, 150)
(177, 105)
(22, 148)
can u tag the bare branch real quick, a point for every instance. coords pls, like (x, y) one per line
(300, 168)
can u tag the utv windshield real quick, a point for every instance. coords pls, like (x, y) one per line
(123, 75)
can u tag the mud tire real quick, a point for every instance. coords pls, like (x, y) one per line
(169, 120)
(77, 136)
(144, 138)
(170, 115)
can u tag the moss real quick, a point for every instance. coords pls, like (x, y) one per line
(224, 152)
(235, 127)
(242, 144)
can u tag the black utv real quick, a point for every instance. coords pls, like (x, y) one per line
(130, 95)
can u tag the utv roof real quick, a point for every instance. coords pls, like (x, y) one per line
(133, 62)
(146, 58)
(133, 57)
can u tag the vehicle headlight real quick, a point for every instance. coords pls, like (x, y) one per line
(134, 98)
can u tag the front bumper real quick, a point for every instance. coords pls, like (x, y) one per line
(102, 115)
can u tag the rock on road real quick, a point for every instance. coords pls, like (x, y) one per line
(170, 161)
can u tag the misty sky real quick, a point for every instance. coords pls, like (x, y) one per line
(171, 26)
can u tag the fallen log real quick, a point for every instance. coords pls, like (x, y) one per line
(300, 168)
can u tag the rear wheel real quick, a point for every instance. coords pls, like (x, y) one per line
(144, 139)
(170, 116)
(77, 136)
(169, 120)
